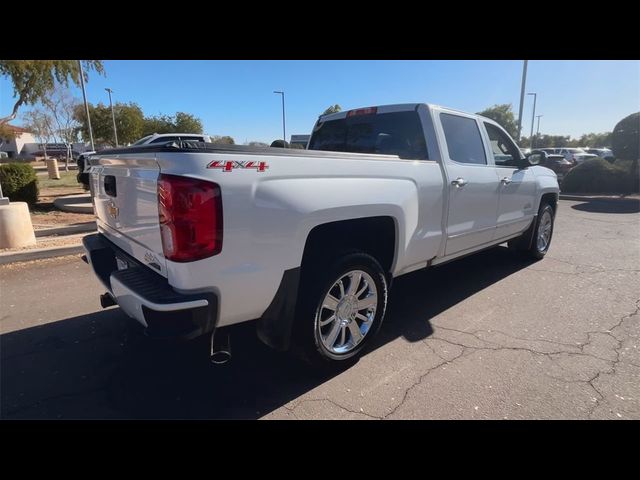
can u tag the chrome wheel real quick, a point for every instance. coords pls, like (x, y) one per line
(347, 312)
(544, 231)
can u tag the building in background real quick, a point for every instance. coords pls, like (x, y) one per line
(22, 144)
(300, 140)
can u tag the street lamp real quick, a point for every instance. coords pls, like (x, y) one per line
(533, 116)
(284, 130)
(113, 117)
(524, 82)
(538, 129)
(86, 105)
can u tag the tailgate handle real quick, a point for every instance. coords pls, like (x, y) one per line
(110, 185)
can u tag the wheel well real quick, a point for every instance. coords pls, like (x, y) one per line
(551, 199)
(373, 235)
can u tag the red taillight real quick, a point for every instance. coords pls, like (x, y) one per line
(362, 111)
(190, 218)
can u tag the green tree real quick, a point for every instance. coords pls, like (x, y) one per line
(157, 124)
(130, 122)
(502, 114)
(187, 123)
(595, 140)
(332, 109)
(34, 80)
(222, 140)
(544, 141)
(257, 144)
(181, 122)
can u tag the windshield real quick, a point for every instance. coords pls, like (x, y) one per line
(395, 133)
(142, 140)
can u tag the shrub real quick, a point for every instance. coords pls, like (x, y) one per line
(279, 144)
(625, 139)
(19, 182)
(599, 176)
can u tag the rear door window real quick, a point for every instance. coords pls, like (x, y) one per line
(395, 133)
(463, 139)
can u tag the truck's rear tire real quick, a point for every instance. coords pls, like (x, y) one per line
(536, 244)
(341, 308)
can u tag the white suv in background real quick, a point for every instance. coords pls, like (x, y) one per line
(168, 137)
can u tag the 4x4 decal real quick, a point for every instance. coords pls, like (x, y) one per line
(229, 165)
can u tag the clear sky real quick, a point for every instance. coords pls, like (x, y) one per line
(235, 97)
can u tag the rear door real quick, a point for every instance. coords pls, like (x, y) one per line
(472, 183)
(517, 185)
(124, 189)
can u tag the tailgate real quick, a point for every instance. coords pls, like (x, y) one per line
(124, 190)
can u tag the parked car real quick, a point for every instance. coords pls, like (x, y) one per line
(575, 155)
(82, 176)
(155, 138)
(168, 137)
(195, 239)
(555, 162)
(605, 153)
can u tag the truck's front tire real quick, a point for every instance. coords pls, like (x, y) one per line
(342, 306)
(536, 244)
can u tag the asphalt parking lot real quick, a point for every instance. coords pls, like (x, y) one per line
(491, 336)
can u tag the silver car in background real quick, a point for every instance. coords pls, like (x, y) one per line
(605, 153)
(574, 155)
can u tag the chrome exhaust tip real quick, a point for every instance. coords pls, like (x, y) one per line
(220, 348)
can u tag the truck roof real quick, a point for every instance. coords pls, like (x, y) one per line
(395, 107)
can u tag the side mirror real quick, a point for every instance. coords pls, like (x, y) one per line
(534, 159)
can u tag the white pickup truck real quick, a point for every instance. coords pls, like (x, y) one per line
(195, 237)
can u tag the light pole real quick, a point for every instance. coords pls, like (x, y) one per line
(86, 105)
(113, 117)
(524, 82)
(538, 129)
(284, 130)
(533, 115)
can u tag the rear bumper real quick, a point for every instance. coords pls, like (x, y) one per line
(146, 296)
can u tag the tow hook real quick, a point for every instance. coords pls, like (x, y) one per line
(220, 348)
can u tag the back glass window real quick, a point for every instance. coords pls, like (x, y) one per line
(395, 133)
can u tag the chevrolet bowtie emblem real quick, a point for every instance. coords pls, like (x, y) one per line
(113, 210)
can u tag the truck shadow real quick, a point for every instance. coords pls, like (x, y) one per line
(604, 205)
(100, 365)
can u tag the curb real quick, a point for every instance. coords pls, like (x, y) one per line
(586, 198)
(38, 253)
(68, 230)
(72, 166)
(65, 203)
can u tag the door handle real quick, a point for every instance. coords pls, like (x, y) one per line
(505, 180)
(459, 182)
